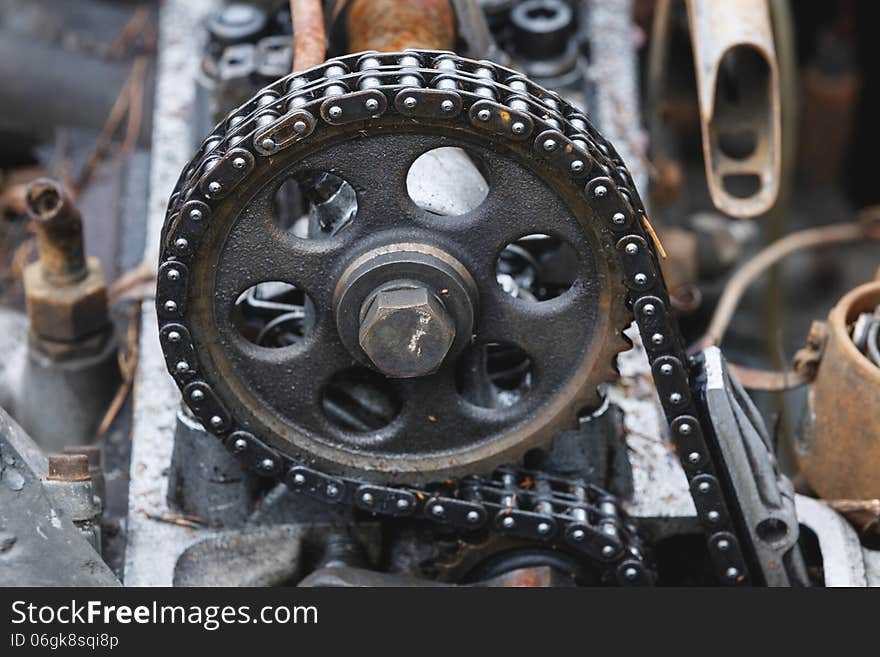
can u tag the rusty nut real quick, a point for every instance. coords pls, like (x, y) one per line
(68, 312)
(406, 332)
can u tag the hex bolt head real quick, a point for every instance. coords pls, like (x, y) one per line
(406, 332)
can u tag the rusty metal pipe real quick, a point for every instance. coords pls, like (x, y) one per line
(59, 230)
(392, 25)
(309, 36)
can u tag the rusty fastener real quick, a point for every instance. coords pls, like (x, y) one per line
(68, 468)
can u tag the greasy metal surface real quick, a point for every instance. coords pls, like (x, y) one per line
(81, 380)
(309, 38)
(205, 481)
(392, 26)
(255, 556)
(738, 91)
(839, 453)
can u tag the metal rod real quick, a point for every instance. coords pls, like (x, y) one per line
(309, 37)
(58, 226)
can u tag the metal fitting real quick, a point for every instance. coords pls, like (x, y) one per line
(65, 291)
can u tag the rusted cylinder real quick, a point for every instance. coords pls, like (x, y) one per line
(840, 452)
(58, 226)
(68, 467)
(392, 25)
(309, 37)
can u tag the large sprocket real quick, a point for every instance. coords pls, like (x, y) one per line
(548, 173)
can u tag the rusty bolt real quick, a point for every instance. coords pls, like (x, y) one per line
(406, 332)
(68, 467)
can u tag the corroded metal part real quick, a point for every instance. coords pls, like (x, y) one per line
(58, 225)
(392, 26)
(839, 454)
(65, 291)
(68, 467)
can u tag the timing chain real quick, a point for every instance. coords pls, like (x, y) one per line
(441, 85)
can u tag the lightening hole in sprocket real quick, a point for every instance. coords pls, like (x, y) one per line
(273, 314)
(447, 181)
(359, 400)
(494, 375)
(315, 205)
(536, 268)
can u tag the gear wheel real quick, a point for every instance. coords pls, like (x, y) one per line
(360, 122)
